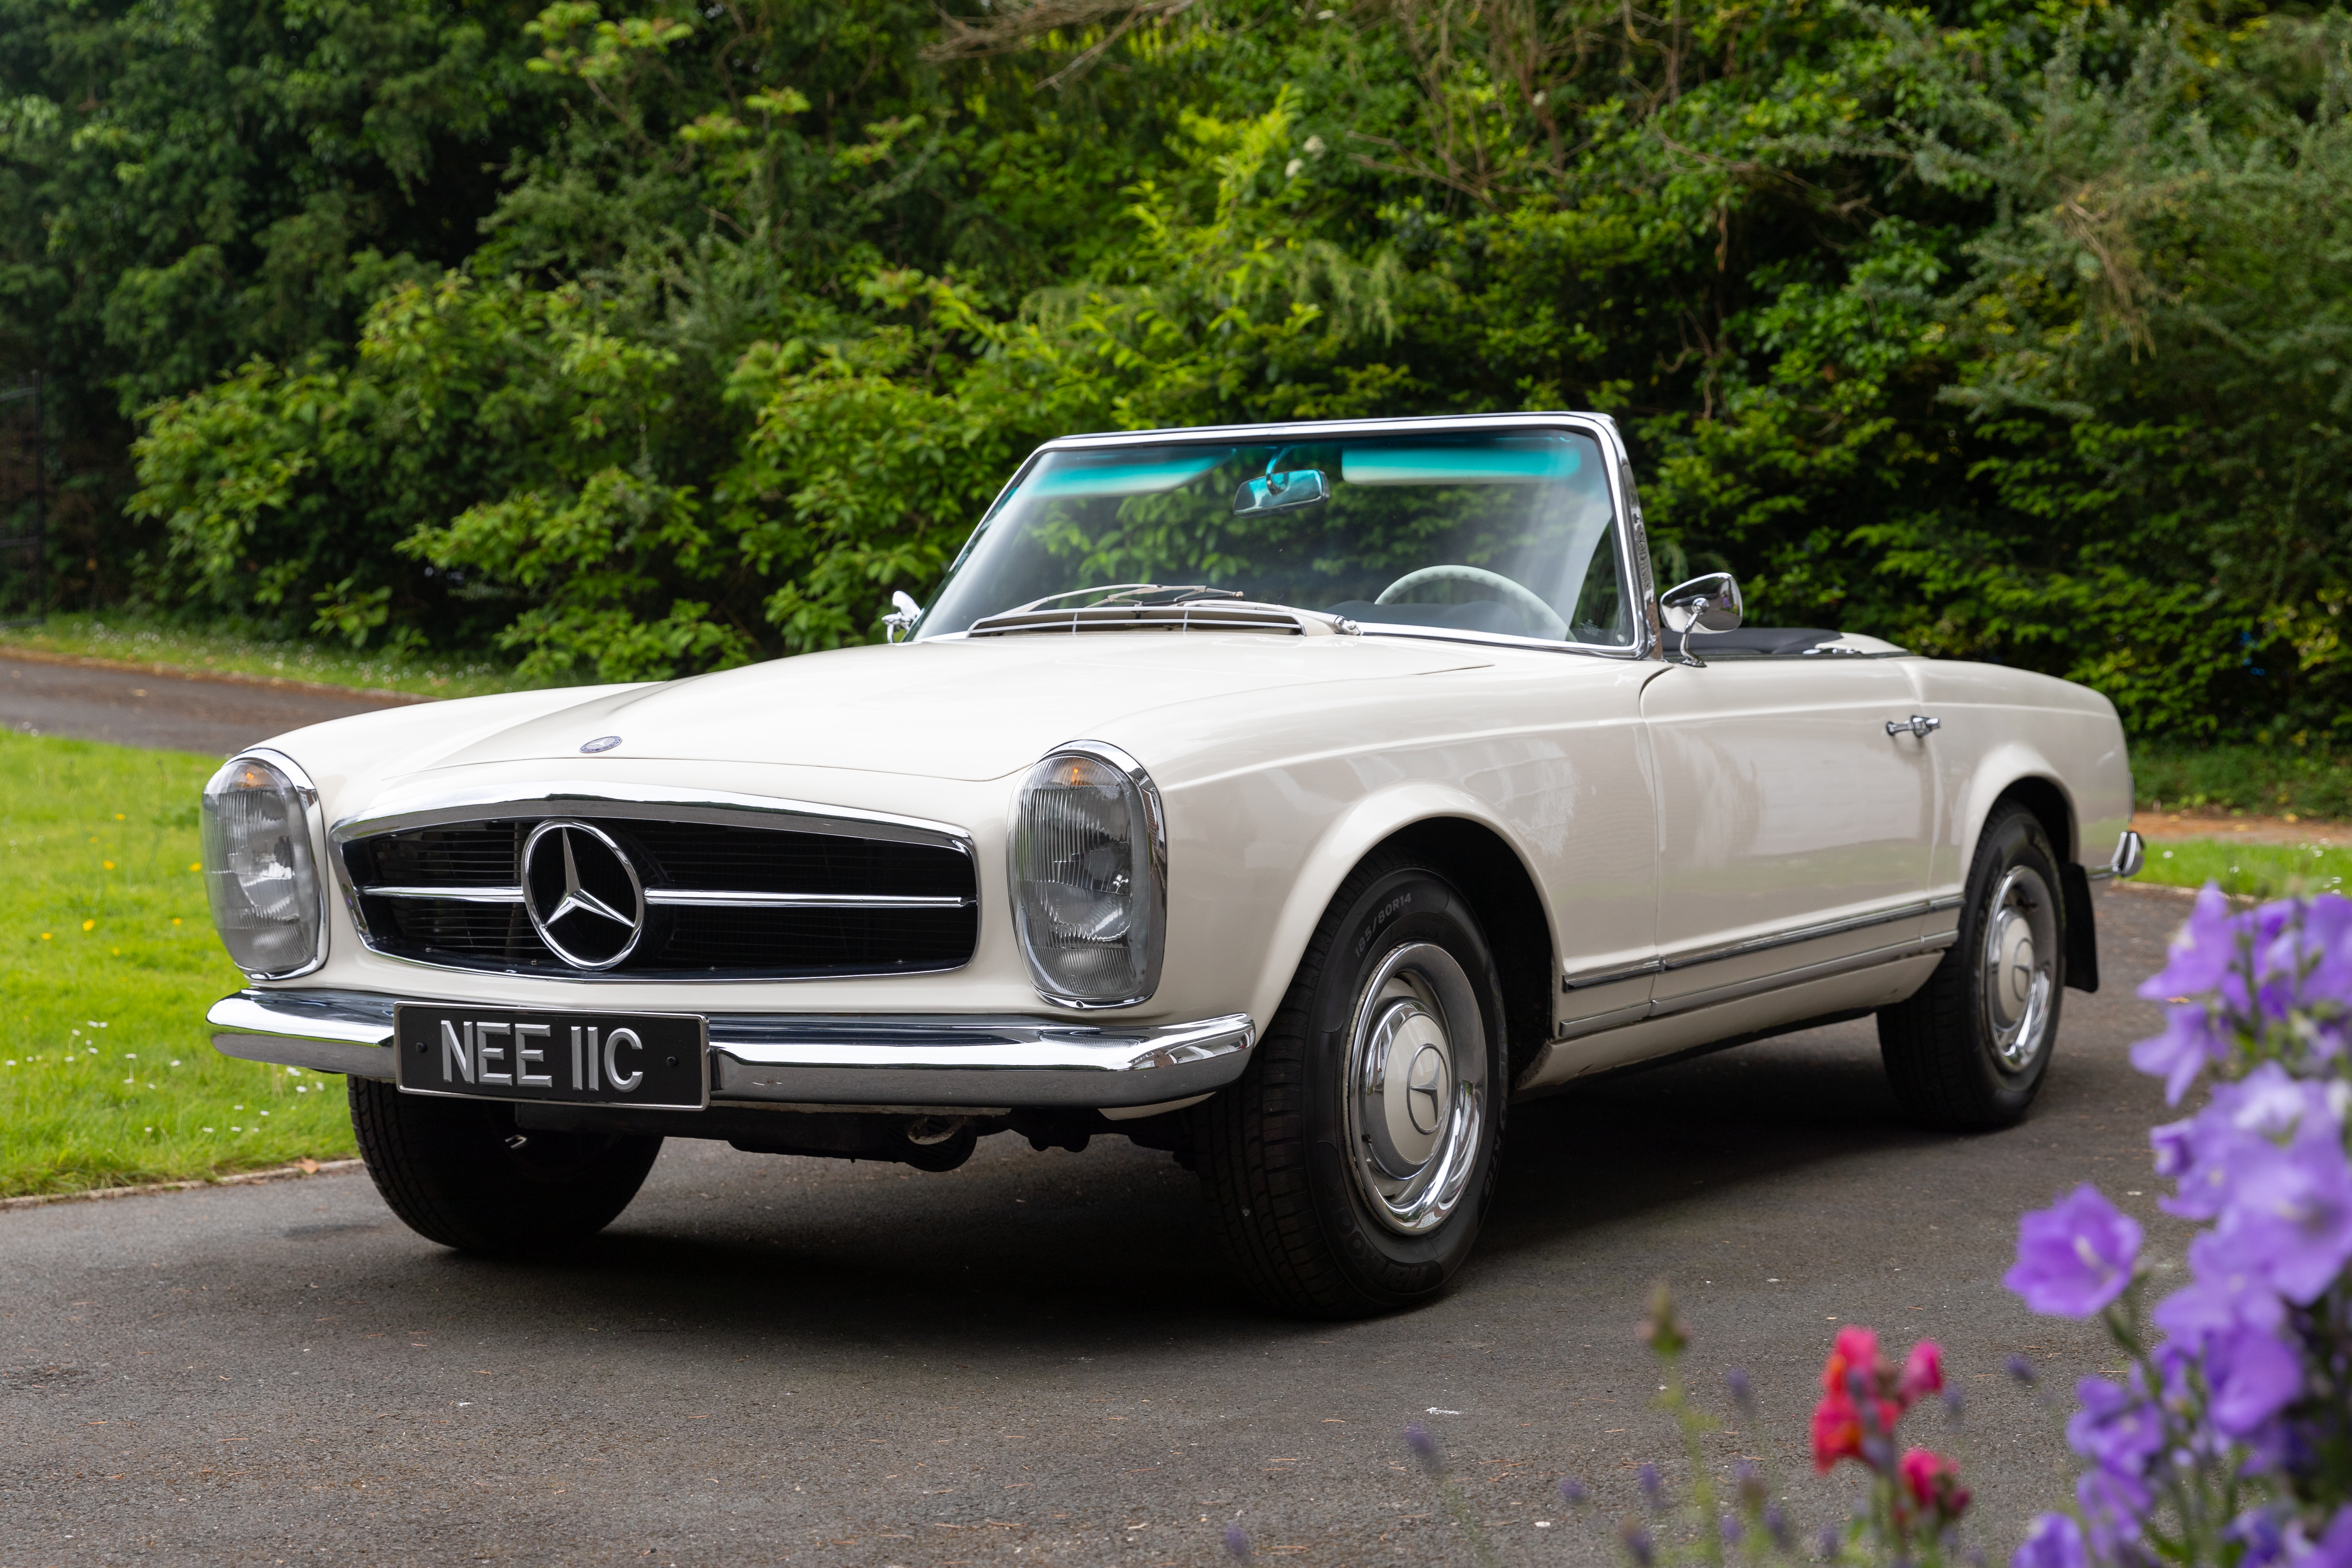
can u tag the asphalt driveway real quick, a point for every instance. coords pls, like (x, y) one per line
(1038, 1358)
(172, 712)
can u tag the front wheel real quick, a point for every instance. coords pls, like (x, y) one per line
(1349, 1169)
(459, 1172)
(1968, 1051)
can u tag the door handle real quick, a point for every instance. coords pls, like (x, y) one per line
(1918, 724)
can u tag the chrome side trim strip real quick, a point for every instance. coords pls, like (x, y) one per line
(1789, 937)
(1739, 989)
(1610, 976)
(1792, 937)
(806, 1060)
(1641, 1011)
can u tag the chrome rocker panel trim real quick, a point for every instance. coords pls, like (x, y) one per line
(804, 1060)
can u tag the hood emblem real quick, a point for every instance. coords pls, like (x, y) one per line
(582, 895)
(601, 743)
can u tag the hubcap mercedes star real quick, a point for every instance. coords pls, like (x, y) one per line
(1415, 1087)
(582, 894)
(2019, 964)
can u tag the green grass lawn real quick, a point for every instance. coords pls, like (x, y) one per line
(135, 641)
(107, 1072)
(2257, 871)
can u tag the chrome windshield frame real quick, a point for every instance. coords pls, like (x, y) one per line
(1632, 544)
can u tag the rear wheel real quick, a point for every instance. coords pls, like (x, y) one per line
(1349, 1169)
(1969, 1050)
(459, 1172)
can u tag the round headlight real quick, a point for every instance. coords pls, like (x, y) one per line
(1090, 884)
(260, 870)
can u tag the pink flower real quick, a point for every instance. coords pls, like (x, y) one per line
(1855, 1349)
(1933, 1483)
(1837, 1431)
(1923, 1373)
(1855, 1381)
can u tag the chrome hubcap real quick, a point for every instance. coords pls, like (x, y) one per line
(2019, 964)
(1415, 1103)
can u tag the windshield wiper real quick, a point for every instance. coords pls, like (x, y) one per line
(1135, 593)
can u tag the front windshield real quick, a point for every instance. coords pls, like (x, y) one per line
(1504, 532)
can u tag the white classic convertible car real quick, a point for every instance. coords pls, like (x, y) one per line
(1292, 798)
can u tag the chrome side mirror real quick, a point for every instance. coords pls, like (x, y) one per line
(904, 614)
(1708, 604)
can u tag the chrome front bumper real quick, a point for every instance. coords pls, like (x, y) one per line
(800, 1059)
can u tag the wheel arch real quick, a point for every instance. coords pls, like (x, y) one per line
(1457, 835)
(1492, 876)
(2053, 806)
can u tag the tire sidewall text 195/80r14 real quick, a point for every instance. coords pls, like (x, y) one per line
(1350, 1167)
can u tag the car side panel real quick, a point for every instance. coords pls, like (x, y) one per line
(1268, 813)
(2002, 725)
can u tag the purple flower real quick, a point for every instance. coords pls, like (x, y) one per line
(2187, 1046)
(2289, 1218)
(2310, 959)
(1424, 1447)
(2022, 1370)
(2075, 1257)
(2054, 1542)
(1571, 1491)
(2253, 1378)
(1775, 1525)
(2116, 1429)
(1638, 1544)
(2202, 953)
(1237, 1541)
(1742, 1394)
(1731, 1528)
(2333, 1548)
(2112, 1506)
(2257, 1529)
(1654, 1486)
(2221, 1299)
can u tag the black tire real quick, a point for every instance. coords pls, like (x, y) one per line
(1962, 1055)
(460, 1173)
(1289, 1196)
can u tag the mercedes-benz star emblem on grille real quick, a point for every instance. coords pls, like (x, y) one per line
(582, 894)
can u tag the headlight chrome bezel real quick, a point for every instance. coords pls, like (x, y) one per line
(1148, 858)
(295, 784)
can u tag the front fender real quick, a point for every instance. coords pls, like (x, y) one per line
(1316, 852)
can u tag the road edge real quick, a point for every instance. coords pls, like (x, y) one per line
(383, 694)
(296, 1171)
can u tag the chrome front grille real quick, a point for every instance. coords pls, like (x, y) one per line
(716, 898)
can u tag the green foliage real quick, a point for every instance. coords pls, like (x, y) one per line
(2012, 332)
(2273, 776)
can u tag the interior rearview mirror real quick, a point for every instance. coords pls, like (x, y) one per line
(1280, 493)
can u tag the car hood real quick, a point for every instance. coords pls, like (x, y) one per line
(948, 708)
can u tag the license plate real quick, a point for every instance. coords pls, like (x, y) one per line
(655, 1059)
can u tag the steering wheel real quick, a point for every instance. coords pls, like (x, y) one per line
(1522, 598)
